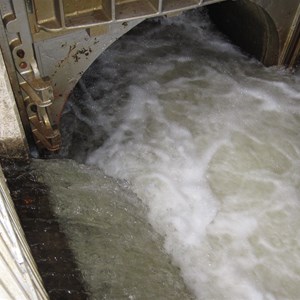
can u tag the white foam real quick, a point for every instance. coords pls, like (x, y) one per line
(214, 154)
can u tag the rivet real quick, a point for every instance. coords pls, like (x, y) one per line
(23, 65)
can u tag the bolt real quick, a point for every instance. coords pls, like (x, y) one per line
(23, 65)
(33, 108)
(21, 53)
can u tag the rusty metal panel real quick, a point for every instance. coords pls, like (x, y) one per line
(131, 9)
(171, 5)
(47, 13)
(64, 15)
(77, 12)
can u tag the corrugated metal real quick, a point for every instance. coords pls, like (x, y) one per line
(19, 277)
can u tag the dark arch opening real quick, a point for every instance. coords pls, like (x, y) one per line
(249, 26)
(261, 42)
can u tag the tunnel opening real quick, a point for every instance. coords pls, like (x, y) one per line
(99, 84)
(249, 26)
(246, 24)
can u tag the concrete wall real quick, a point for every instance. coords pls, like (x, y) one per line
(12, 137)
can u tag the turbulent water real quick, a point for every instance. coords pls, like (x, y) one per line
(208, 139)
(118, 252)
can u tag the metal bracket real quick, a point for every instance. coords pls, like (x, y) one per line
(38, 95)
(37, 92)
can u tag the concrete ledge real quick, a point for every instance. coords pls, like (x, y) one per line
(12, 137)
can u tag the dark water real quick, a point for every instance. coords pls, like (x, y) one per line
(47, 240)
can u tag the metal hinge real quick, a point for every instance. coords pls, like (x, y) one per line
(38, 95)
(37, 92)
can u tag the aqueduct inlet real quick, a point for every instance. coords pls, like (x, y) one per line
(46, 46)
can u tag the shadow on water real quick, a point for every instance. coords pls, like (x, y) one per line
(48, 243)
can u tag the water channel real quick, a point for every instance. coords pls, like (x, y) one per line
(180, 171)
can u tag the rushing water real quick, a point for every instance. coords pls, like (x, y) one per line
(208, 139)
(118, 252)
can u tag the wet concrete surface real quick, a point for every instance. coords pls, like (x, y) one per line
(49, 246)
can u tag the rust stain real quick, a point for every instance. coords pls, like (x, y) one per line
(81, 52)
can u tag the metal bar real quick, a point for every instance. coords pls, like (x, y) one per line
(291, 46)
(113, 10)
(62, 14)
